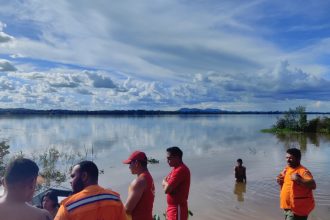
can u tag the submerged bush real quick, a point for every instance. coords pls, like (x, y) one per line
(295, 120)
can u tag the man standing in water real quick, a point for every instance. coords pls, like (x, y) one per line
(297, 183)
(20, 182)
(240, 172)
(141, 193)
(176, 186)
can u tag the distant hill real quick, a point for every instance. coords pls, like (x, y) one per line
(196, 110)
(182, 111)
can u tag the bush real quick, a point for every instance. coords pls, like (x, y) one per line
(294, 119)
(313, 125)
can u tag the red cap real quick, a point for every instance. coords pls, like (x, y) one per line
(136, 155)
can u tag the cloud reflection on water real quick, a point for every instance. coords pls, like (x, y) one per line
(211, 145)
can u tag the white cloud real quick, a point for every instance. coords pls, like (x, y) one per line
(162, 43)
(101, 81)
(72, 89)
(163, 54)
(5, 99)
(6, 66)
(4, 38)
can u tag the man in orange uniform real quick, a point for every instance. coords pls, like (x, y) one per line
(141, 192)
(90, 201)
(176, 186)
(296, 183)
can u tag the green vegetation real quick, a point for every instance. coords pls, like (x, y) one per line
(54, 164)
(4, 151)
(157, 217)
(152, 160)
(295, 121)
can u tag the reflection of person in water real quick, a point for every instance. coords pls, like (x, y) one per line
(239, 189)
(240, 171)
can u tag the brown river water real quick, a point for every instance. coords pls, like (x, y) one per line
(211, 146)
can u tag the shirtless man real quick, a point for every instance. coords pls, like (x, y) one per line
(141, 193)
(20, 183)
(240, 172)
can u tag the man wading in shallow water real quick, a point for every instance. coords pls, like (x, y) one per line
(240, 172)
(176, 186)
(297, 183)
(20, 183)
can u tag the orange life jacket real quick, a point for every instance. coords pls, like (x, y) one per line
(92, 203)
(294, 196)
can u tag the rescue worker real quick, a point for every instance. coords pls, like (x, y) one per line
(176, 185)
(90, 201)
(141, 193)
(297, 183)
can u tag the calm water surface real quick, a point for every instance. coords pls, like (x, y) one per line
(211, 145)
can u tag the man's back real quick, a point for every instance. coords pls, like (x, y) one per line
(240, 173)
(20, 211)
(93, 202)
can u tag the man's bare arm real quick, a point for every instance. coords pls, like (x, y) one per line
(135, 194)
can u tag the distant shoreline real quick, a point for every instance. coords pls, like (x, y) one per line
(59, 112)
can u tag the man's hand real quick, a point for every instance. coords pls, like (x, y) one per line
(309, 183)
(168, 189)
(296, 177)
(280, 179)
(164, 183)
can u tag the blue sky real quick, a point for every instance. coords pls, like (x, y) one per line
(165, 54)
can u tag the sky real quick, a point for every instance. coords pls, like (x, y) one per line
(256, 55)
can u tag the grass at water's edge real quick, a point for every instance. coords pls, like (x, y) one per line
(280, 131)
(290, 131)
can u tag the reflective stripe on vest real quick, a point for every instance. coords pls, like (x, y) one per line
(91, 199)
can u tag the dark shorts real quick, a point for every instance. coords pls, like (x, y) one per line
(290, 216)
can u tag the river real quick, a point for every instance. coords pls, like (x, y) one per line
(211, 146)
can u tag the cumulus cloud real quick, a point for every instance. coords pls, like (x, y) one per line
(6, 66)
(84, 91)
(164, 55)
(6, 83)
(6, 99)
(280, 83)
(74, 89)
(62, 81)
(4, 38)
(101, 81)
